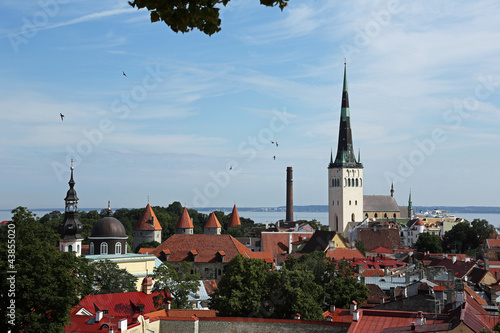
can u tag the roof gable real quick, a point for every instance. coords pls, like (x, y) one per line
(212, 221)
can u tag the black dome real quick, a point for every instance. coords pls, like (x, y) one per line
(108, 227)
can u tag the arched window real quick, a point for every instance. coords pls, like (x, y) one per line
(70, 248)
(336, 223)
(357, 184)
(104, 248)
(349, 202)
(366, 215)
(353, 217)
(78, 248)
(91, 247)
(385, 215)
(394, 215)
(118, 248)
(375, 215)
(349, 182)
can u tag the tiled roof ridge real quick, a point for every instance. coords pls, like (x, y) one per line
(184, 221)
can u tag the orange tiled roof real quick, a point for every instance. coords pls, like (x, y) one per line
(184, 221)
(492, 243)
(148, 220)
(343, 253)
(212, 221)
(278, 242)
(144, 250)
(234, 221)
(266, 256)
(178, 246)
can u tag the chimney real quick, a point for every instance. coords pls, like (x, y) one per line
(332, 308)
(420, 318)
(289, 194)
(122, 324)
(98, 316)
(412, 327)
(353, 306)
(355, 315)
(454, 259)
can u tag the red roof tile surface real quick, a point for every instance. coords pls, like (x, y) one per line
(182, 313)
(144, 250)
(234, 221)
(148, 220)
(184, 221)
(381, 249)
(343, 253)
(212, 221)
(206, 246)
(492, 243)
(280, 242)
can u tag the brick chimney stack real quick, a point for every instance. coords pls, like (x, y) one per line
(289, 194)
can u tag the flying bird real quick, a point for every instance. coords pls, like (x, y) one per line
(124, 74)
(62, 116)
(274, 157)
(231, 167)
(276, 143)
(272, 142)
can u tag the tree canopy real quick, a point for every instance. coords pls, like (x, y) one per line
(110, 279)
(186, 15)
(46, 283)
(176, 279)
(465, 236)
(428, 242)
(307, 285)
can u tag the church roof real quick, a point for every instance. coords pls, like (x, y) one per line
(184, 221)
(148, 220)
(379, 203)
(345, 153)
(108, 226)
(212, 221)
(234, 221)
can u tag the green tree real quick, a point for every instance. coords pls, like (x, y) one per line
(178, 280)
(483, 230)
(428, 242)
(47, 283)
(360, 245)
(243, 289)
(186, 15)
(110, 279)
(342, 287)
(148, 244)
(294, 291)
(465, 236)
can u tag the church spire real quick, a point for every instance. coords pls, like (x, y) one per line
(345, 154)
(410, 207)
(392, 189)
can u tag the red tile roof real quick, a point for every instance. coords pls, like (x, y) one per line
(144, 250)
(343, 253)
(148, 220)
(492, 243)
(385, 237)
(119, 304)
(234, 221)
(381, 249)
(212, 221)
(278, 242)
(207, 246)
(266, 256)
(184, 221)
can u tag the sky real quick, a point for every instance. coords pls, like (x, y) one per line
(193, 119)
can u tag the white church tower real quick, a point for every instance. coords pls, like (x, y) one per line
(345, 176)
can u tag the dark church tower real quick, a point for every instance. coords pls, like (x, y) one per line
(345, 175)
(71, 228)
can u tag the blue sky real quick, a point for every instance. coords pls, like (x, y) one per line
(193, 119)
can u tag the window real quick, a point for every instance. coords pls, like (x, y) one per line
(356, 202)
(91, 247)
(376, 215)
(349, 182)
(78, 248)
(353, 217)
(70, 248)
(118, 248)
(357, 184)
(104, 248)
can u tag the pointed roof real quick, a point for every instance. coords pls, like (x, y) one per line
(184, 221)
(345, 153)
(148, 220)
(212, 221)
(234, 221)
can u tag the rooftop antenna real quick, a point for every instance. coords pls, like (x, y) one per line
(148, 198)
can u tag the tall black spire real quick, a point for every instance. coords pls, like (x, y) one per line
(71, 227)
(345, 153)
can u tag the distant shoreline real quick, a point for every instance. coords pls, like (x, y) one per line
(309, 208)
